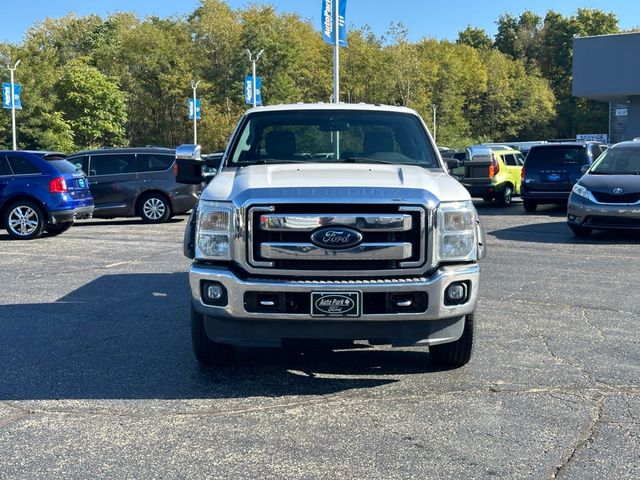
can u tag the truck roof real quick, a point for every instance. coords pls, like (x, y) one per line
(332, 106)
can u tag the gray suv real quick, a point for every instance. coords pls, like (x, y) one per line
(128, 182)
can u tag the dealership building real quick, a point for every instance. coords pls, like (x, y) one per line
(607, 68)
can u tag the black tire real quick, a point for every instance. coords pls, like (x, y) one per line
(24, 220)
(58, 228)
(504, 200)
(207, 352)
(458, 353)
(580, 231)
(529, 206)
(154, 208)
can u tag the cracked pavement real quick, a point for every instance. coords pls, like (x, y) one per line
(98, 379)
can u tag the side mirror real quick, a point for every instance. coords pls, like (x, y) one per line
(584, 169)
(452, 163)
(211, 166)
(189, 164)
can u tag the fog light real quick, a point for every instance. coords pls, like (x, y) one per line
(456, 293)
(214, 293)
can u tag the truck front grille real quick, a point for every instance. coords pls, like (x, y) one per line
(280, 237)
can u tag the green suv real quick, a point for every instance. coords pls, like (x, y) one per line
(493, 173)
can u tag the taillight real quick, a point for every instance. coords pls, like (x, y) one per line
(58, 185)
(175, 169)
(522, 174)
(494, 168)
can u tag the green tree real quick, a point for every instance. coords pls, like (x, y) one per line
(93, 105)
(474, 37)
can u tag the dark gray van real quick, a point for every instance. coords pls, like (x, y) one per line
(127, 182)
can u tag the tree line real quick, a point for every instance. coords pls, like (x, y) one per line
(91, 82)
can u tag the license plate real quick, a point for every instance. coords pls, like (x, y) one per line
(82, 182)
(335, 304)
(553, 177)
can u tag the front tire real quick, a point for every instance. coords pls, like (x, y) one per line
(24, 220)
(505, 198)
(458, 353)
(58, 228)
(154, 208)
(207, 352)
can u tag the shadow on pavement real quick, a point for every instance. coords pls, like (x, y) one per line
(559, 232)
(128, 337)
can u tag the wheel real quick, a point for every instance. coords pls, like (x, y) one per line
(207, 352)
(529, 206)
(154, 208)
(458, 353)
(580, 231)
(504, 200)
(24, 220)
(58, 228)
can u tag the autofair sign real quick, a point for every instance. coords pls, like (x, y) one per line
(592, 137)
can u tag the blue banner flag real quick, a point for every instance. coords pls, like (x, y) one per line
(198, 109)
(328, 22)
(6, 95)
(248, 90)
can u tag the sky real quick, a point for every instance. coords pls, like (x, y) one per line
(423, 18)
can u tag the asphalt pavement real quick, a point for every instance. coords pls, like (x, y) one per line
(97, 377)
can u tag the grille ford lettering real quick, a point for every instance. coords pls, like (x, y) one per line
(336, 304)
(336, 238)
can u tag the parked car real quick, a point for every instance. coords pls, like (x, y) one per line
(41, 191)
(128, 182)
(550, 171)
(493, 173)
(607, 196)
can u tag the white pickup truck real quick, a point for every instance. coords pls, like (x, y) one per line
(372, 240)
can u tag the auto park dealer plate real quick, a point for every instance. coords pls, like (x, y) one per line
(335, 304)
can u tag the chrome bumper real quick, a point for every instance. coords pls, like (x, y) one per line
(434, 286)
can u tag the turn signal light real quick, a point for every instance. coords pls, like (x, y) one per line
(58, 185)
(494, 168)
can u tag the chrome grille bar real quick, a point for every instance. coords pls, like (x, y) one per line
(308, 251)
(307, 222)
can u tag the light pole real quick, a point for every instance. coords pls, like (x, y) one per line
(253, 68)
(13, 103)
(336, 53)
(434, 107)
(194, 85)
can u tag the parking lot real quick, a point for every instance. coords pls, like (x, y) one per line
(98, 378)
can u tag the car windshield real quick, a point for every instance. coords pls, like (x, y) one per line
(345, 136)
(618, 161)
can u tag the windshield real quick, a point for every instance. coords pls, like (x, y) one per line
(332, 136)
(63, 166)
(618, 161)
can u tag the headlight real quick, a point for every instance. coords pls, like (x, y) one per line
(457, 231)
(213, 230)
(580, 190)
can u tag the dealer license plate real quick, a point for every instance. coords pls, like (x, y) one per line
(335, 304)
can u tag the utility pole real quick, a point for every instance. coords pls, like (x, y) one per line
(194, 85)
(13, 103)
(253, 68)
(434, 107)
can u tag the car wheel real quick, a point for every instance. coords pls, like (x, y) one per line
(529, 206)
(580, 231)
(154, 208)
(458, 353)
(505, 198)
(58, 228)
(207, 352)
(24, 220)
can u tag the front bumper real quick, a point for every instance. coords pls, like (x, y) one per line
(232, 323)
(70, 215)
(587, 213)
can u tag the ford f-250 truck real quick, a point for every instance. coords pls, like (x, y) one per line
(373, 240)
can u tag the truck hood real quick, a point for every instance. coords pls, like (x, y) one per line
(327, 179)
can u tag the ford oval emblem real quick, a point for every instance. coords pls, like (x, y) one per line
(336, 238)
(617, 190)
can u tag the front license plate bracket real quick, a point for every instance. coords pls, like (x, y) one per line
(336, 304)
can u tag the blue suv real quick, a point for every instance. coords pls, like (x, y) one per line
(41, 191)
